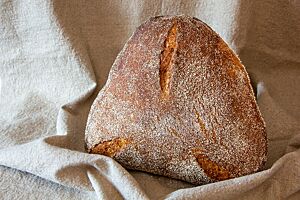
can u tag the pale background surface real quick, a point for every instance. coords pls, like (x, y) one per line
(55, 56)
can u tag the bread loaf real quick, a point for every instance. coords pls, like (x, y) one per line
(178, 102)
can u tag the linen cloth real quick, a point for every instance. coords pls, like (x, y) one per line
(55, 57)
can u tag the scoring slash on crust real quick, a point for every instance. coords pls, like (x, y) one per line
(211, 168)
(167, 55)
(110, 148)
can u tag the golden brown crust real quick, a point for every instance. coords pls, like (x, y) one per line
(165, 70)
(109, 148)
(212, 169)
(185, 101)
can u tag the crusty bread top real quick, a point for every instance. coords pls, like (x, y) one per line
(178, 102)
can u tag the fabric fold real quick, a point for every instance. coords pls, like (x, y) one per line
(54, 58)
(71, 168)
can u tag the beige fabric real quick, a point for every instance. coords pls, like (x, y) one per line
(55, 57)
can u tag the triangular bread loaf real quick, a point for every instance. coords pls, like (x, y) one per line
(178, 102)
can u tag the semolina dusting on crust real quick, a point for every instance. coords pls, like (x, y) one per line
(178, 102)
